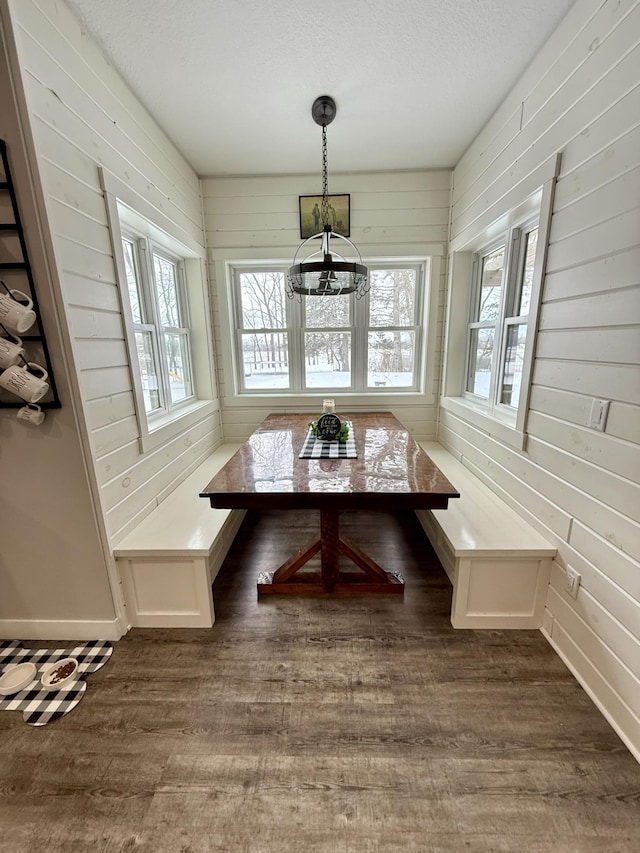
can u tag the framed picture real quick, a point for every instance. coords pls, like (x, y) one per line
(311, 214)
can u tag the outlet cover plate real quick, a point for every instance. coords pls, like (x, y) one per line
(599, 412)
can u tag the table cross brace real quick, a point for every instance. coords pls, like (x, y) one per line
(371, 579)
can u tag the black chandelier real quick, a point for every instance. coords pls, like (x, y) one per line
(325, 272)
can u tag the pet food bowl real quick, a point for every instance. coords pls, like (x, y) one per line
(59, 674)
(16, 678)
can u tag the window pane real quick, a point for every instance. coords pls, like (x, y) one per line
(480, 358)
(265, 359)
(391, 359)
(148, 371)
(262, 300)
(327, 311)
(179, 366)
(514, 360)
(132, 281)
(167, 290)
(327, 359)
(392, 297)
(491, 286)
(522, 309)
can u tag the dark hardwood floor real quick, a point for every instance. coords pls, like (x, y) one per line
(346, 725)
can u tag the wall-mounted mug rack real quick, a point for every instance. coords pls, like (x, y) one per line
(20, 321)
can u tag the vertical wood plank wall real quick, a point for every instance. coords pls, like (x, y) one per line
(84, 117)
(403, 211)
(581, 96)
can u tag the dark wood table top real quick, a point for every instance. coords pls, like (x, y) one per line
(391, 471)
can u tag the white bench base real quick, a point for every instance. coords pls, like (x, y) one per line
(498, 564)
(169, 562)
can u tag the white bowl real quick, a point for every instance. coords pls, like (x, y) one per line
(16, 678)
(51, 679)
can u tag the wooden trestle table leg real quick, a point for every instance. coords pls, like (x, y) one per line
(372, 580)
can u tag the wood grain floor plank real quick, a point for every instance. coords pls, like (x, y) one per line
(359, 725)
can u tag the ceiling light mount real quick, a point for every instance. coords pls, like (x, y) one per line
(325, 272)
(323, 110)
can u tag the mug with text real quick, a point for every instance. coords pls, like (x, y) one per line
(31, 413)
(24, 382)
(14, 315)
(11, 350)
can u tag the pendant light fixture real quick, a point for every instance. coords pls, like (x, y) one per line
(326, 272)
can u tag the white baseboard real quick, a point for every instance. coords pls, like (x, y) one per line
(634, 748)
(52, 629)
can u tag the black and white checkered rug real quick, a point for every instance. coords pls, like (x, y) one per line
(40, 706)
(315, 449)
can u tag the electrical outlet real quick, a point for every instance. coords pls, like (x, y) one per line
(599, 412)
(572, 582)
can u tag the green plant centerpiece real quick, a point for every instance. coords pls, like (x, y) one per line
(329, 427)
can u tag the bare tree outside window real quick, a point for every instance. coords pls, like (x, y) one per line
(166, 282)
(145, 332)
(392, 321)
(265, 351)
(487, 313)
(497, 330)
(328, 348)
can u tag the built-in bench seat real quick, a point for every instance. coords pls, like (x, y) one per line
(169, 561)
(498, 563)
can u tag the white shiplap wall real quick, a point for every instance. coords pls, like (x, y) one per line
(84, 117)
(580, 97)
(54, 570)
(401, 213)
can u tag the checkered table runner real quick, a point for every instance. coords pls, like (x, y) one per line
(40, 706)
(315, 449)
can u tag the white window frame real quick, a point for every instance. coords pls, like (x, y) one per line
(514, 242)
(145, 251)
(358, 327)
(132, 216)
(502, 421)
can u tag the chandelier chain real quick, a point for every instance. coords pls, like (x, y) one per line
(324, 212)
(323, 272)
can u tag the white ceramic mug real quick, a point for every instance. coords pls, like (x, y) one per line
(24, 383)
(15, 316)
(10, 351)
(31, 413)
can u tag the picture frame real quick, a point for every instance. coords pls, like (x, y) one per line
(339, 212)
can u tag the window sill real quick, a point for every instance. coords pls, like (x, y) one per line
(157, 432)
(478, 417)
(343, 399)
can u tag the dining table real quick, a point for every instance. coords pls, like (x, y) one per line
(385, 470)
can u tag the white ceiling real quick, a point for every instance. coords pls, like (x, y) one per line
(232, 81)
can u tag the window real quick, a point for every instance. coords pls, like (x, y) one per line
(493, 301)
(327, 342)
(156, 287)
(393, 328)
(163, 293)
(333, 343)
(262, 338)
(499, 309)
(517, 319)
